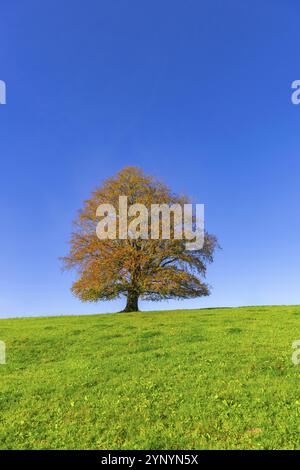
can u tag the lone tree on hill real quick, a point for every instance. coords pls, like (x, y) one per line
(150, 269)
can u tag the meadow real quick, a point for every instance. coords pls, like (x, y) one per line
(193, 379)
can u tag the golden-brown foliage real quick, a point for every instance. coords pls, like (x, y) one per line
(147, 269)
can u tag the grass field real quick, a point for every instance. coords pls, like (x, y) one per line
(196, 379)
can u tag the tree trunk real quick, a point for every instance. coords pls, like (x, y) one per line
(132, 304)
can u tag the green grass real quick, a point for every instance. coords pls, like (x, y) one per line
(206, 379)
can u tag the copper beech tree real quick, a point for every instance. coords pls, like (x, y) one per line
(149, 269)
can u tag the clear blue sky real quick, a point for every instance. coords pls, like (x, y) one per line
(196, 92)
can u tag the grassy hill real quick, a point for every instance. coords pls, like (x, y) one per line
(206, 379)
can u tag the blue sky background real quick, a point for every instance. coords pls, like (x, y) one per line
(196, 92)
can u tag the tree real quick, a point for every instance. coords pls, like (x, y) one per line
(135, 268)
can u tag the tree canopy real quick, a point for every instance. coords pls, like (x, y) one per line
(150, 269)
